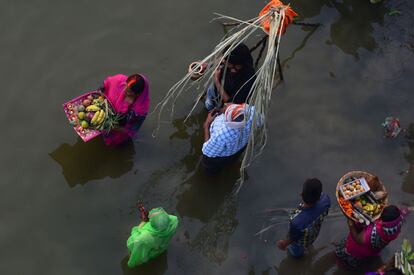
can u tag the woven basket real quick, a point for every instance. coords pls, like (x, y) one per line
(359, 174)
(85, 134)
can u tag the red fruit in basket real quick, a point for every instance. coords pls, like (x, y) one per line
(358, 204)
(89, 115)
(86, 102)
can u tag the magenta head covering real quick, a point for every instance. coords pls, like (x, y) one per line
(141, 104)
(115, 91)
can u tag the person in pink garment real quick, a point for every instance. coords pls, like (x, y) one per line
(129, 96)
(365, 242)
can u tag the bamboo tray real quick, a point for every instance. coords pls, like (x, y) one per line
(359, 174)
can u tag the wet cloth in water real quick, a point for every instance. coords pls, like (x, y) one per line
(305, 224)
(152, 238)
(134, 114)
(376, 236)
(225, 139)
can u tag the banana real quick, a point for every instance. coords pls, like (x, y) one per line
(92, 108)
(101, 117)
(95, 118)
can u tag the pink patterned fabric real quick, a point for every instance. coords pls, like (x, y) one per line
(376, 236)
(114, 89)
(361, 250)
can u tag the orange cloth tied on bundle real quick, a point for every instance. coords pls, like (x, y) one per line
(289, 15)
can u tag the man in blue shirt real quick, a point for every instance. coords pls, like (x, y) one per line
(306, 220)
(226, 134)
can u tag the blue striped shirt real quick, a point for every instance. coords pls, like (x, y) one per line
(225, 141)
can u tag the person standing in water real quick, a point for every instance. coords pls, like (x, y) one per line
(233, 80)
(226, 134)
(151, 237)
(129, 97)
(306, 220)
(364, 242)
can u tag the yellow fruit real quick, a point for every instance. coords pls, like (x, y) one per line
(96, 101)
(95, 118)
(81, 115)
(92, 108)
(101, 117)
(84, 124)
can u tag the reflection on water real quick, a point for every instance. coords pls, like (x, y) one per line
(307, 9)
(290, 265)
(205, 194)
(210, 200)
(311, 31)
(408, 182)
(354, 29)
(323, 264)
(195, 139)
(157, 266)
(205, 198)
(85, 161)
(213, 238)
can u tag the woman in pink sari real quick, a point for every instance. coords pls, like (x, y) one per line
(366, 242)
(129, 96)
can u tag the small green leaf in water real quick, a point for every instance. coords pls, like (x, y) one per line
(394, 12)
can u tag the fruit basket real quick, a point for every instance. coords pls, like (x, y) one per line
(368, 201)
(354, 189)
(90, 114)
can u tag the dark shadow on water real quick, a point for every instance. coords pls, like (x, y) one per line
(408, 182)
(325, 264)
(206, 193)
(354, 28)
(83, 162)
(211, 200)
(308, 9)
(194, 125)
(157, 266)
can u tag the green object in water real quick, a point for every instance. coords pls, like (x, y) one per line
(152, 238)
(394, 12)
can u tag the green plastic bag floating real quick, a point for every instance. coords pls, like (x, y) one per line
(150, 239)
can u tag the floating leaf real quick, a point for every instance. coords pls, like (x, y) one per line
(394, 12)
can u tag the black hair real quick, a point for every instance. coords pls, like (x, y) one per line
(139, 85)
(240, 55)
(393, 271)
(239, 118)
(311, 192)
(390, 213)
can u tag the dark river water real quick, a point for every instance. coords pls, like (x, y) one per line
(67, 207)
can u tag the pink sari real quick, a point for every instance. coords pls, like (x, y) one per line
(135, 112)
(376, 236)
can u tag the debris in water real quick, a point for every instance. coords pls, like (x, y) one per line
(392, 127)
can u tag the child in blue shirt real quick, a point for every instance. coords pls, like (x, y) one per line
(306, 220)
